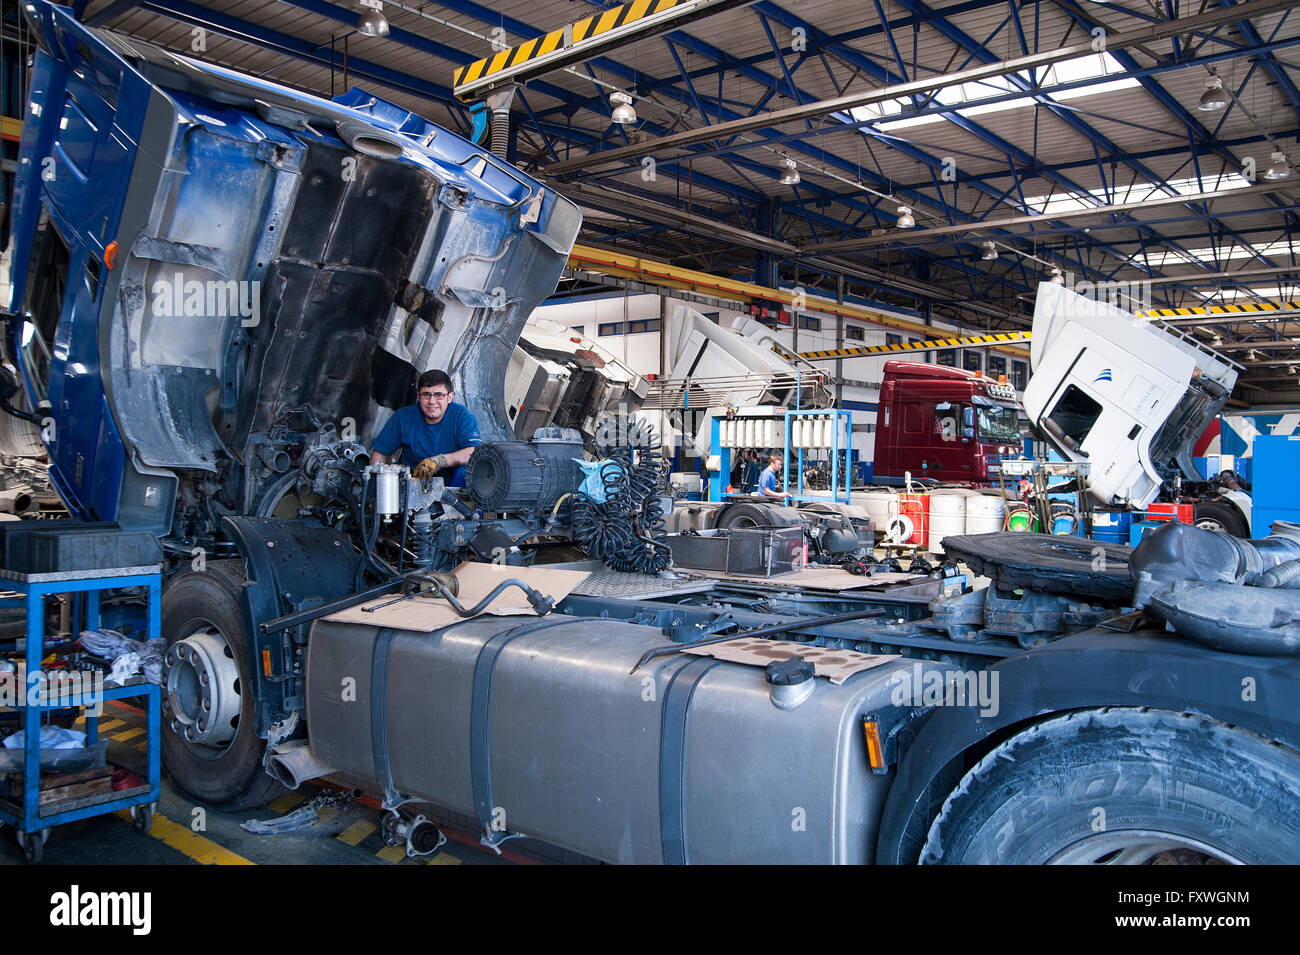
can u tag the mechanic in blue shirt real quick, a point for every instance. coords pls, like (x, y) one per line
(437, 435)
(767, 480)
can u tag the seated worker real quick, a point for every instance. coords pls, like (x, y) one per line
(767, 480)
(437, 435)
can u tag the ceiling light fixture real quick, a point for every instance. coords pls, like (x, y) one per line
(1057, 277)
(1278, 168)
(372, 22)
(790, 177)
(1215, 96)
(989, 253)
(624, 113)
(905, 218)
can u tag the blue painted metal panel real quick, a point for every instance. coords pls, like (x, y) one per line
(1277, 462)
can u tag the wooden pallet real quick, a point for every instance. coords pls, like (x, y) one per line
(56, 787)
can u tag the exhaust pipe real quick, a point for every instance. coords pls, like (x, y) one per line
(294, 763)
(275, 459)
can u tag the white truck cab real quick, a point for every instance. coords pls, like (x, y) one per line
(1128, 395)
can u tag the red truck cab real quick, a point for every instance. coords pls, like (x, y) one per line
(943, 424)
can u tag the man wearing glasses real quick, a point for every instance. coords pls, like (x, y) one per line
(436, 432)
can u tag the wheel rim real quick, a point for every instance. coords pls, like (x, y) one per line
(203, 689)
(1210, 524)
(1141, 847)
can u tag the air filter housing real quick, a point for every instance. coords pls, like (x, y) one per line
(525, 475)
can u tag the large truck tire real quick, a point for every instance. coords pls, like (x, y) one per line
(1221, 516)
(758, 515)
(203, 626)
(1124, 786)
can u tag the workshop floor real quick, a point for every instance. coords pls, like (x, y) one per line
(343, 835)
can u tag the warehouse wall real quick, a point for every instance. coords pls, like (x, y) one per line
(627, 325)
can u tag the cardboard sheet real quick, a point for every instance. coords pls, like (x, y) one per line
(836, 665)
(426, 613)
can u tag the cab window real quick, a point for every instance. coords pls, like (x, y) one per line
(47, 281)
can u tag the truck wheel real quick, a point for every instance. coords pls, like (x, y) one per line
(1218, 516)
(758, 515)
(1124, 787)
(209, 745)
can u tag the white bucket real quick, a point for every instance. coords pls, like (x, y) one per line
(984, 513)
(947, 515)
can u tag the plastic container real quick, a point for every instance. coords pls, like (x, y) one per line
(881, 504)
(947, 516)
(984, 513)
(916, 507)
(1182, 513)
(1111, 527)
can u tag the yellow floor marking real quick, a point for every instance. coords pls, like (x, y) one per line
(128, 735)
(141, 747)
(443, 858)
(285, 802)
(354, 833)
(327, 813)
(195, 845)
(392, 853)
(107, 726)
(79, 720)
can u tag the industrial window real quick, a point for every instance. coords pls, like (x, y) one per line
(997, 366)
(946, 357)
(1075, 414)
(812, 324)
(972, 360)
(1019, 378)
(854, 333)
(637, 327)
(892, 339)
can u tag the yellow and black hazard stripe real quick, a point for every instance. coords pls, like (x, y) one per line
(1221, 309)
(467, 81)
(997, 338)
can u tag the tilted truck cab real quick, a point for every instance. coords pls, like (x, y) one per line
(1130, 397)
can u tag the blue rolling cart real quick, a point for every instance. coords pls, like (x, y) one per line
(31, 820)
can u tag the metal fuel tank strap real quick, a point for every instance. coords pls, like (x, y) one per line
(480, 721)
(672, 758)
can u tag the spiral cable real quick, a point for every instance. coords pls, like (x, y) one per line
(626, 531)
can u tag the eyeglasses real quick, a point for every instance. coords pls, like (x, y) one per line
(436, 395)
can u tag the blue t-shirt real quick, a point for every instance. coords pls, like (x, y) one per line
(767, 480)
(407, 429)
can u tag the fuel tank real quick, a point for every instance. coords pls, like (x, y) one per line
(538, 727)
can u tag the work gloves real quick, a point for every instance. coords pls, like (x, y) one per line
(429, 467)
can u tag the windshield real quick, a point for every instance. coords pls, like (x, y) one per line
(998, 425)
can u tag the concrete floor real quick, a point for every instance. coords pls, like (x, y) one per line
(347, 834)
